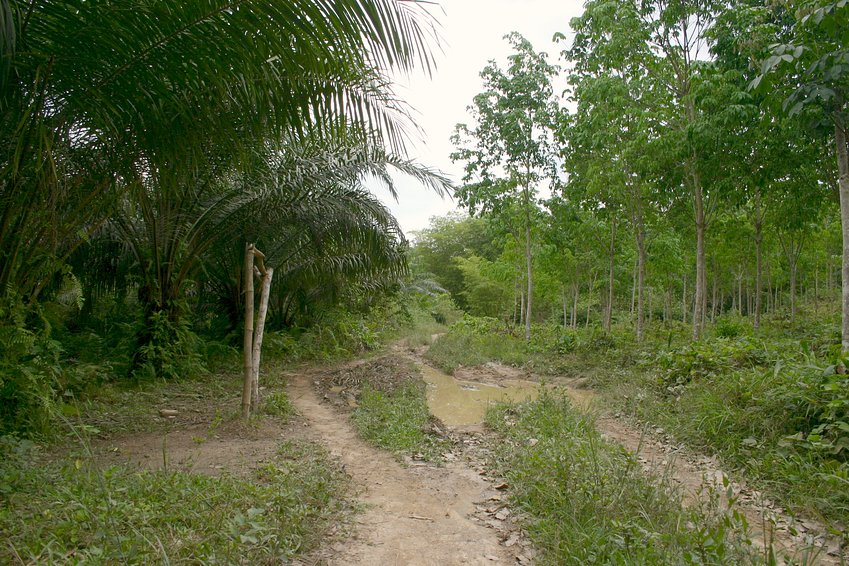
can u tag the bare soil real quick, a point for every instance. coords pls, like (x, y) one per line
(234, 447)
(802, 541)
(417, 513)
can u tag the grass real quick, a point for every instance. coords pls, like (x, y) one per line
(759, 422)
(74, 511)
(587, 501)
(399, 421)
(768, 405)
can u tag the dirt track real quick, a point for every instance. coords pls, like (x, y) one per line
(417, 515)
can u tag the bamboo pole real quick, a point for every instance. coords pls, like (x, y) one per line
(247, 385)
(258, 334)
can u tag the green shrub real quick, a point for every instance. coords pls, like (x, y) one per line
(278, 404)
(730, 326)
(168, 349)
(29, 374)
(707, 358)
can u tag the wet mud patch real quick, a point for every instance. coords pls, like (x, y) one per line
(458, 402)
(342, 386)
(492, 373)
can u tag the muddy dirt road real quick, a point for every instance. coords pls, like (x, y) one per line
(417, 515)
(422, 514)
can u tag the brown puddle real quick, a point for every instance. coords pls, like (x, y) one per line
(457, 402)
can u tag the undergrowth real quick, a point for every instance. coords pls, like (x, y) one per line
(73, 511)
(399, 421)
(587, 501)
(771, 405)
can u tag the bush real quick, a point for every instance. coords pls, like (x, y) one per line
(168, 349)
(29, 374)
(699, 360)
(278, 404)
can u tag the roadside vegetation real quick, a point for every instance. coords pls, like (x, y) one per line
(75, 510)
(588, 501)
(772, 406)
(399, 421)
(687, 261)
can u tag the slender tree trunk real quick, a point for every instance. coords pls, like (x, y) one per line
(684, 302)
(522, 307)
(590, 300)
(769, 303)
(748, 295)
(641, 274)
(529, 261)
(758, 261)
(265, 291)
(843, 185)
(793, 272)
(829, 276)
(740, 294)
(576, 289)
(734, 307)
(700, 299)
(715, 291)
(516, 303)
(651, 310)
(634, 288)
(565, 308)
(608, 314)
(817, 289)
(247, 386)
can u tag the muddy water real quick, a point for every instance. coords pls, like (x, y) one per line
(457, 402)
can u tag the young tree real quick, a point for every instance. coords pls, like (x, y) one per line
(814, 69)
(507, 152)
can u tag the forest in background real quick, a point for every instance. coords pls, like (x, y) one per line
(670, 230)
(694, 166)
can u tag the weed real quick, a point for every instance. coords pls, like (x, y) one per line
(398, 421)
(278, 404)
(74, 512)
(587, 501)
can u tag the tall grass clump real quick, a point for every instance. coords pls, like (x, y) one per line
(473, 341)
(399, 421)
(588, 501)
(787, 426)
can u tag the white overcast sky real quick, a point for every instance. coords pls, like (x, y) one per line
(472, 33)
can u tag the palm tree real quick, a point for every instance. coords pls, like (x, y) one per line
(303, 202)
(97, 95)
